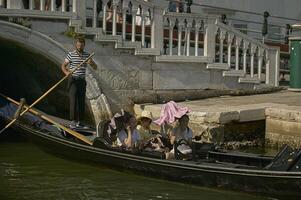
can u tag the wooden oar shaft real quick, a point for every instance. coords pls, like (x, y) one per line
(47, 92)
(20, 108)
(74, 133)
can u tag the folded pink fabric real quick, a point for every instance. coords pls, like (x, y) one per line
(170, 111)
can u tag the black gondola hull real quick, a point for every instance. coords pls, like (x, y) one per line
(269, 183)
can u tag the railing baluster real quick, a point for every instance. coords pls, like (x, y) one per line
(74, 6)
(31, 4)
(42, 5)
(63, 5)
(230, 40)
(124, 10)
(188, 28)
(171, 27)
(8, 4)
(114, 28)
(267, 68)
(143, 18)
(253, 50)
(104, 17)
(134, 13)
(237, 45)
(210, 40)
(2, 4)
(245, 49)
(94, 20)
(222, 36)
(260, 59)
(52, 5)
(196, 41)
(180, 29)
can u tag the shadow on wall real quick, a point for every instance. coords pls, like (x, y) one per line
(26, 73)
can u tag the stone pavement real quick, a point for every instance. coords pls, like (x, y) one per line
(231, 108)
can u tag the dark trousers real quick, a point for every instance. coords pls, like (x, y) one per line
(77, 95)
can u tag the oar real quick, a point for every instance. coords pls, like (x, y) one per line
(46, 93)
(74, 133)
(20, 108)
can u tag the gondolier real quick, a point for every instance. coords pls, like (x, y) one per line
(77, 81)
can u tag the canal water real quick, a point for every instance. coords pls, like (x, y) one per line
(28, 173)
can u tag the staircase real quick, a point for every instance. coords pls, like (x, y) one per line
(223, 50)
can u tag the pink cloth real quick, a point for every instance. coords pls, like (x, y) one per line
(170, 111)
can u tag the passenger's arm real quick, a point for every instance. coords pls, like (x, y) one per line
(190, 135)
(172, 138)
(128, 140)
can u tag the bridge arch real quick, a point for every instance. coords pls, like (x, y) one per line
(30, 65)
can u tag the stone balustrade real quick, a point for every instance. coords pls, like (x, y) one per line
(250, 56)
(41, 5)
(192, 25)
(139, 12)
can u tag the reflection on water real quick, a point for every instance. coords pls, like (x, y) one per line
(26, 172)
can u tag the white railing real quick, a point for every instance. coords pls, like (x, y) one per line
(250, 56)
(131, 19)
(42, 5)
(188, 28)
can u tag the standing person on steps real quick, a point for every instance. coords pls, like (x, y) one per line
(77, 81)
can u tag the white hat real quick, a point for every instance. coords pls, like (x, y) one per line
(146, 114)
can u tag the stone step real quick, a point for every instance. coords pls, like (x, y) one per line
(89, 31)
(147, 52)
(128, 45)
(218, 66)
(108, 38)
(182, 59)
(234, 73)
(254, 80)
(75, 22)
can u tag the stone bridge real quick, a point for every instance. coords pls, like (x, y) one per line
(142, 50)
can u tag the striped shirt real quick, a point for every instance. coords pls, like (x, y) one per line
(74, 58)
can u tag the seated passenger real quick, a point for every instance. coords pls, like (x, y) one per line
(144, 122)
(181, 131)
(129, 137)
(149, 140)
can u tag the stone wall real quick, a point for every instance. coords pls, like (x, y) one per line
(283, 125)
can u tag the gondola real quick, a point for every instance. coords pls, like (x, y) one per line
(273, 176)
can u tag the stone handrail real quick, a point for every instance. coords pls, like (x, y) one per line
(250, 48)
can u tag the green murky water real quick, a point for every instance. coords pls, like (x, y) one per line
(26, 172)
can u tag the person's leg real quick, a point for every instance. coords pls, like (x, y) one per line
(81, 99)
(37, 4)
(72, 100)
(47, 5)
(68, 6)
(26, 4)
(58, 3)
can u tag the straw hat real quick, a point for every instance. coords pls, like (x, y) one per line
(146, 114)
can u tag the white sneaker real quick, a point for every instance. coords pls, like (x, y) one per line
(80, 125)
(73, 125)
